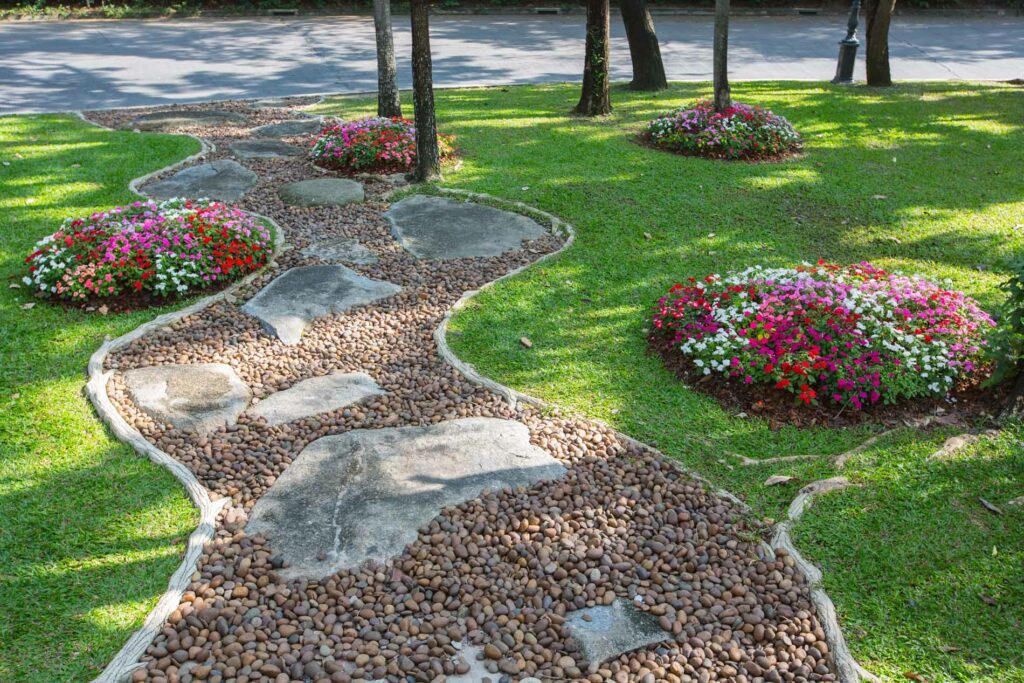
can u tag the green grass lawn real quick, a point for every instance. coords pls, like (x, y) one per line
(89, 531)
(923, 177)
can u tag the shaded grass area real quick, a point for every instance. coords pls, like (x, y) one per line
(89, 531)
(923, 178)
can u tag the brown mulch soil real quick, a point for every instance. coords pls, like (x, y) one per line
(643, 139)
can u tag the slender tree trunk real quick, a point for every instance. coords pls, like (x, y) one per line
(595, 98)
(644, 52)
(721, 55)
(428, 157)
(878, 16)
(388, 99)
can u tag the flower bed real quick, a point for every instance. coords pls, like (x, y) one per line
(168, 249)
(739, 132)
(372, 145)
(852, 336)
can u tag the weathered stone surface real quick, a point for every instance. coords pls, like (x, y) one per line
(316, 395)
(363, 494)
(287, 129)
(281, 103)
(439, 228)
(341, 250)
(169, 120)
(195, 398)
(612, 630)
(321, 192)
(224, 179)
(264, 149)
(292, 301)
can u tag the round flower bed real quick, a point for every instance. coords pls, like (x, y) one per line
(852, 336)
(372, 145)
(739, 132)
(147, 249)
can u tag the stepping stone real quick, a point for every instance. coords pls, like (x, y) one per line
(316, 395)
(362, 495)
(224, 180)
(439, 228)
(341, 249)
(264, 149)
(613, 630)
(288, 305)
(281, 103)
(170, 120)
(287, 129)
(195, 398)
(321, 192)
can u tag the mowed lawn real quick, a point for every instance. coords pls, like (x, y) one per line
(921, 178)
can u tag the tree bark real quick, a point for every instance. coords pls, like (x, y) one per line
(428, 156)
(723, 98)
(878, 16)
(595, 98)
(644, 51)
(389, 101)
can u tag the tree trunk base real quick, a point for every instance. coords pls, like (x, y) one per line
(1013, 408)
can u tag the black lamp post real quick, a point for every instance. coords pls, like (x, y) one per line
(848, 48)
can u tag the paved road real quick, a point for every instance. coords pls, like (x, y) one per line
(59, 66)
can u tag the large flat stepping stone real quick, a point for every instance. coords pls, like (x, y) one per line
(321, 192)
(264, 149)
(362, 495)
(224, 180)
(170, 120)
(607, 631)
(195, 398)
(288, 305)
(288, 129)
(439, 228)
(316, 395)
(341, 250)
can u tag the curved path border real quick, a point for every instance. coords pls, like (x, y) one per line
(120, 668)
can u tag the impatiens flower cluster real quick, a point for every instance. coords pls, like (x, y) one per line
(372, 145)
(739, 132)
(170, 248)
(851, 335)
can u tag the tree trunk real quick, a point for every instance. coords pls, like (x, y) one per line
(721, 55)
(389, 102)
(428, 157)
(1013, 409)
(878, 16)
(595, 98)
(648, 69)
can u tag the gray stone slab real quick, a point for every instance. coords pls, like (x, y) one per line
(170, 120)
(440, 228)
(287, 129)
(282, 103)
(293, 300)
(316, 395)
(341, 250)
(264, 149)
(362, 495)
(613, 630)
(224, 180)
(321, 192)
(195, 398)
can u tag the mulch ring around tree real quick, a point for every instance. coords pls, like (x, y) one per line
(511, 582)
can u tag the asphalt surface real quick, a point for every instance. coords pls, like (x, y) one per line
(55, 66)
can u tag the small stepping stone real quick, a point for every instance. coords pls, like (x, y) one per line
(264, 149)
(195, 398)
(341, 249)
(224, 180)
(170, 120)
(288, 305)
(321, 192)
(281, 103)
(363, 494)
(288, 129)
(607, 631)
(438, 228)
(316, 395)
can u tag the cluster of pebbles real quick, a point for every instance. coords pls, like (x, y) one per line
(497, 574)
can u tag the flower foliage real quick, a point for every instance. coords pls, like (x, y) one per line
(739, 132)
(372, 145)
(170, 248)
(851, 335)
